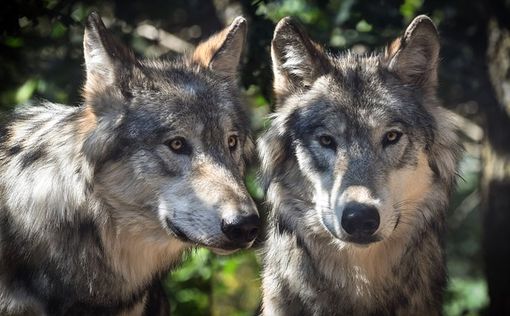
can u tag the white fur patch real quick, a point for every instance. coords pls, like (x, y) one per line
(294, 62)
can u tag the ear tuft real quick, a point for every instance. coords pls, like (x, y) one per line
(414, 56)
(297, 60)
(222, 51)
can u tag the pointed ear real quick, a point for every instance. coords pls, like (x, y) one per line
(297, 60)
(414, 57)
(105, 57)
(222, 51)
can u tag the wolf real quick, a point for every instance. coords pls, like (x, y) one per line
(358, 165)
(99, 201)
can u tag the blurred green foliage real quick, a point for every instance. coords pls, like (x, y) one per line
(41, 57)
(209, 285)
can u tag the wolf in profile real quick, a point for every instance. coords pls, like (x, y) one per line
(358, 165)
(98, 202)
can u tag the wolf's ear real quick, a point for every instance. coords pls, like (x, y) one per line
(222, 51)
(105, 57)
(297, 60)
(414, 56)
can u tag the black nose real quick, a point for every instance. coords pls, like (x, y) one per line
(241, 229)
(360, 220)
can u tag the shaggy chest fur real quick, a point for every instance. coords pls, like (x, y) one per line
(312, 277)
(74, 272)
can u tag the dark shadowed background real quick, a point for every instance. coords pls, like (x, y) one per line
(41, 57)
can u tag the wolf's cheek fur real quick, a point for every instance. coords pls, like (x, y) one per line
(407, 188)
(411, 183)
(141, 173)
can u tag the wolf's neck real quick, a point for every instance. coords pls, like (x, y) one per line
(138, 253)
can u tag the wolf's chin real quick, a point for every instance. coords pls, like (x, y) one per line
(227, 250)
(222, 252)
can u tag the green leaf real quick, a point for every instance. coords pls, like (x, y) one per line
(363, 26)
(466, 296)
(79, 13)
(58, 30)
(14, 42)
(25, 92)
(253, 185)
(409, 8)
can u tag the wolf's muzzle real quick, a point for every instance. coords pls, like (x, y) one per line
(241, 229)
(360, 221)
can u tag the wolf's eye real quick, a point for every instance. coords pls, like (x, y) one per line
(232, 142)
(391, 137)
(326, 141)
(178, 145)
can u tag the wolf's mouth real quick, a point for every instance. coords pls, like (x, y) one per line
(362, 241)
(176, 231)
(222, 250)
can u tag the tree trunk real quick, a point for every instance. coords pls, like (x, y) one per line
(496, 172)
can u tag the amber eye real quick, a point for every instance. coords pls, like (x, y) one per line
(391, 137)
(232, 142)
(326, 141)
(178, 145)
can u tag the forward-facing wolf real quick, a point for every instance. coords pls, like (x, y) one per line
(98, 202)
(358, 165)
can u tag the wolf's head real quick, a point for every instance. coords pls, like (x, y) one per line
(169, 140)
(359, 138)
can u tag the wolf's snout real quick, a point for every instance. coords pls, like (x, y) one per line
(241, 229)
(360, 220)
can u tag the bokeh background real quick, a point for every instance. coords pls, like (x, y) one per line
(41, 57)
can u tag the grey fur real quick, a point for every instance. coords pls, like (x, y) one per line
(95, 206)
(311, 266)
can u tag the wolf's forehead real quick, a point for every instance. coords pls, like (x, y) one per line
(178, 96)
(337, 101)
(190, 88)
(179, 80)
